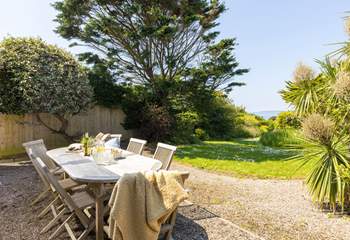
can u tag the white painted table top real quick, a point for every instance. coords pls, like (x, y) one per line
(84, 169)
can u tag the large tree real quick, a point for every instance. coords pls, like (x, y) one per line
(164, 47)
(147, 41)
(36, 77)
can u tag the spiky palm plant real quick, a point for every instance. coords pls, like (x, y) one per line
(328, 152)
(303, 95)
(324, 103)
(324, 181)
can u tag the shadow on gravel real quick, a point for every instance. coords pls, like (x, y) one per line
(186, 227)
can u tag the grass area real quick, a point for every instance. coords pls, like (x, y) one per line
(242, 158)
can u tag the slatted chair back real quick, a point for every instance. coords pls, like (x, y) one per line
(164, 153)
(39, 149)
(38, 169)
(66, 198)
(136, 145)
(116, 136)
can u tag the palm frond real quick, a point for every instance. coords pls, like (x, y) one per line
(324, 181)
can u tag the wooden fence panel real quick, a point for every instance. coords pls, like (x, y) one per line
(14, 129)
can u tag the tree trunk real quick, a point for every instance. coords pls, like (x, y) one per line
(63, 128)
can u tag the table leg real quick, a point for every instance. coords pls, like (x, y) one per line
(99, 193)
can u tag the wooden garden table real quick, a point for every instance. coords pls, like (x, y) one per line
(85, 170)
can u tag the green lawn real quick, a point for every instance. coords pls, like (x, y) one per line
(241, 158)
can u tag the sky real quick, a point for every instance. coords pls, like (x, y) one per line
(273, 36)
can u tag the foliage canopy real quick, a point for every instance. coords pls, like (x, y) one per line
(36, 77)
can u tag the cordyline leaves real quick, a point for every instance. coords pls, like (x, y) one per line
(303, 95)
(323, 102)
(324, 181)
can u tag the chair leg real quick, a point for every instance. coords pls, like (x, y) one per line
(168, 235)
(40, 197)
(54, 220)
(60, 228)
(90, 227)
(47, 209)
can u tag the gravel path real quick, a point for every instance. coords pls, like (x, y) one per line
(19, 183)
(272, 209)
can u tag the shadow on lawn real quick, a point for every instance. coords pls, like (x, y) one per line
(238, 150)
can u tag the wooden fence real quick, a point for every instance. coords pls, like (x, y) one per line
(15, 129)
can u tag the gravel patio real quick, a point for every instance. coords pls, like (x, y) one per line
(224, 208)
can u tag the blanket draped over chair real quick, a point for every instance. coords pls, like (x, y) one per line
(141, 202)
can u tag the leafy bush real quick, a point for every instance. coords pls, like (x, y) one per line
(249, 126)
(287, 120)
(246, 132)
(156, 122)
(218, 116)
(280, 138)
(185, 126)
(36, 77)
(200, 134)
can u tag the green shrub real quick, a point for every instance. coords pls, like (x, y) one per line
(280, 138)
(36, 77)
(264, 128)
(200, 134)
(250, 126)
(185, 125)
(287, 120)
(219, 118)
(247, 132)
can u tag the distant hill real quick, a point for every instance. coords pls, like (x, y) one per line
(267, 114)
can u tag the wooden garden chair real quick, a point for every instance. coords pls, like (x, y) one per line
(68, 184)
(164, 153)
(75, 204)
(168, 226)
(136, 145)
(39, 149)
(116, 136)
(36, 149)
